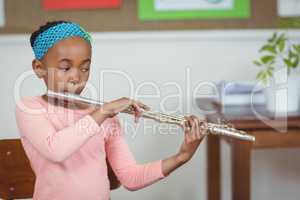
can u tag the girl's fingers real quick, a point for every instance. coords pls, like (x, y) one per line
(143, 106)
(190, 128)
(190, 131)
(137, 105)
(187, 129)
(198, 129)
(186, 125)
(195, 128)
(191, 123)
(204, 127)
(137, 111)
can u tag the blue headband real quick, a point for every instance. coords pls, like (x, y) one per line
(51, 36)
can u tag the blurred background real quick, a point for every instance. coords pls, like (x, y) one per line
(170, 53)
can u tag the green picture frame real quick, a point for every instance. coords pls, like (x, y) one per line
(147, 12)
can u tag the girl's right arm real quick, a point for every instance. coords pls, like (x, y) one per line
(58, 145)
(55, 145)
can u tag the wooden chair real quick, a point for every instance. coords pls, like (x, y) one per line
(16, 176)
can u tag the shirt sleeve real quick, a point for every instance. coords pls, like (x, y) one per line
(40, 132)
(132, 176)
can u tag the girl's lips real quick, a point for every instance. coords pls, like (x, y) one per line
(77, 91)
(68, 91)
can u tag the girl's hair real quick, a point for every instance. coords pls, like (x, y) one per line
(43, 28)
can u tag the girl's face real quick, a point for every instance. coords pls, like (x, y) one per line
(66, 65)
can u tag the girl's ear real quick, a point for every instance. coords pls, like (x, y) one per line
(39, 68)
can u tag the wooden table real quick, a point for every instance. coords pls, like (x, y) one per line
(270, 132)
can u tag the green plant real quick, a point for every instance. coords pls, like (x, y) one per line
(278, 49)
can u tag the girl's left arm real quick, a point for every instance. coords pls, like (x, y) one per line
(194, 132)
(135, 176)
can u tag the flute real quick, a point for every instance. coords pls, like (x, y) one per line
(213, 128)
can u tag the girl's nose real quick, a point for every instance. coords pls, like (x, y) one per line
(75, 76)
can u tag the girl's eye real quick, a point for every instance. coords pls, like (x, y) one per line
(64, 69)
(85, 69)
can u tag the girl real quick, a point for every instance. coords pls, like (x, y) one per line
(67, 156)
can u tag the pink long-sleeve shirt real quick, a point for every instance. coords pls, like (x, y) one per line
(67, 150)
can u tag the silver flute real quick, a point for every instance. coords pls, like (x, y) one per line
(213, 128)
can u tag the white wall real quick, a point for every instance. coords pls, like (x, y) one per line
(163, 57)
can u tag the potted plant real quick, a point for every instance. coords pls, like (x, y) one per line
(278, 61)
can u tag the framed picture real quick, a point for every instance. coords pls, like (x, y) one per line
(192, 9)
(80, 4)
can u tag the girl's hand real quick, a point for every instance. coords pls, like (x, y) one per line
(112, 108)
(194, 131)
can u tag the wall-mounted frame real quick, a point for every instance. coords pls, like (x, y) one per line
(149, 10)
